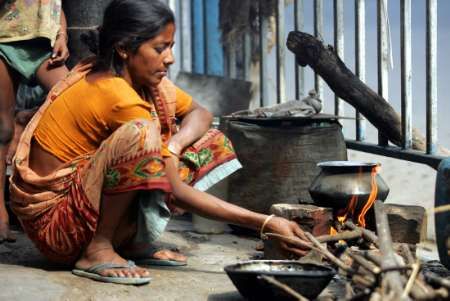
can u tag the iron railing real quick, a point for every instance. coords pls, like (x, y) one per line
(193, 21)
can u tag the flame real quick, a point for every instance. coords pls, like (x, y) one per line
(333, 231)
(349, 211)
(371, 199)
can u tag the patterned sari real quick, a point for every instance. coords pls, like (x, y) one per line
(59, 212)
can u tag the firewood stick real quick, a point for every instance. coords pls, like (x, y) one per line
(345, 235)
(442, 293)
(431, 294)
(294, 240)
(363, 262)
(392, 281)
(375, 297)
(363, 281)
(373, 258)
(367, 234)
(435, 279)
(421, 291)
(349, 293)
(407, 252)
(328, 254)
(283, 287)
(411, 280)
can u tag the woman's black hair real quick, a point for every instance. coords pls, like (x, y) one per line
(126, 25)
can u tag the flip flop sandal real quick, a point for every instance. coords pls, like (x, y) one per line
(151, 261)
(93, 272)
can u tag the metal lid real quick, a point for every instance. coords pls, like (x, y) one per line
(347, 164)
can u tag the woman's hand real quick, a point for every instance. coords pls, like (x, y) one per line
(60, 51)
(288, 231)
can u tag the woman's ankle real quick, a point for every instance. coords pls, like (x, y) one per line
(98, 244)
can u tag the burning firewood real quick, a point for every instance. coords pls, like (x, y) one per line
(367, 234)
(384, 271)
(392, 283)
(344, 235)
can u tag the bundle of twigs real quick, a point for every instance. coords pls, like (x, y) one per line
(380, 271)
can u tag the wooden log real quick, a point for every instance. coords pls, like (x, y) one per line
(367, 234)
(287, 289)
(372, 257)
(324, 61)
(293, 240)
(392, 282)
(368, 265)
(345, 235)
(328, 254)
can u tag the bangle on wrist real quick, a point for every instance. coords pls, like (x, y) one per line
(266, 221)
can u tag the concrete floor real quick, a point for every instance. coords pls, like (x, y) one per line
(26, 275)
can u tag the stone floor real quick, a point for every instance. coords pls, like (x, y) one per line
(26, 275)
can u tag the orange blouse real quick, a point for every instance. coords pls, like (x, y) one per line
(87, 113)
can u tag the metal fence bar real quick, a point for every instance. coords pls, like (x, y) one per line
(360, 59)
(185, 41)
(198, 36)
(175, 68)
(214, 50)
(338, 9)
(299, 71)
(431, 89)
(406, 75)
(247, 56)
(318, 32)
(280, 53)
(232, 68)
(383, 56)
(263, 46)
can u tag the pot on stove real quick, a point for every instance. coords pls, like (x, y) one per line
(339, 181)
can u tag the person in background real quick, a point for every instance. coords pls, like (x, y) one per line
(102, 162)
(33, 49)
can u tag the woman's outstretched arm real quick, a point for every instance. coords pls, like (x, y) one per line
(212, 207)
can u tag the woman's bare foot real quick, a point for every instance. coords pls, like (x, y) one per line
(169, 255)
(147, 251)
(98, 254)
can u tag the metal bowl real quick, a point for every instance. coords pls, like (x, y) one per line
(307, 279)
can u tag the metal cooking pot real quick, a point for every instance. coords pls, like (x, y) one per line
(338, 181)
